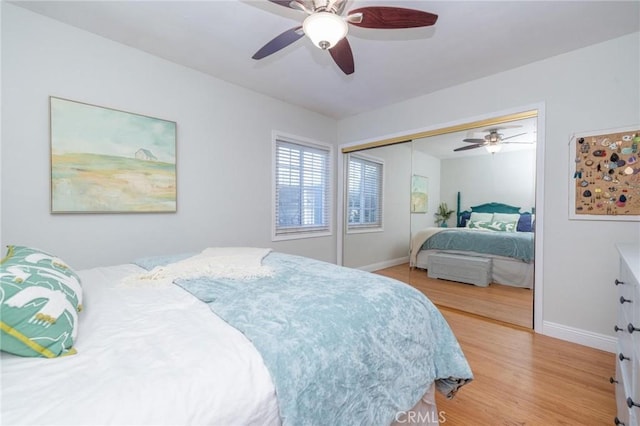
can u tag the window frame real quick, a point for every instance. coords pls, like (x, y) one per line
(367, 228)
(327, 230)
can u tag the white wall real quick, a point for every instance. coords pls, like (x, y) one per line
(223, 148)
(361, 250)
(587, 89)
(505, 177)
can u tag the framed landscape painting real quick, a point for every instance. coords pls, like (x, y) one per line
(109, 161)
(419, 194)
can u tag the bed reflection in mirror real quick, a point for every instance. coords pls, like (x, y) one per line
(482, 259)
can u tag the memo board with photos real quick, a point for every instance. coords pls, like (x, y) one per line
(606, 175)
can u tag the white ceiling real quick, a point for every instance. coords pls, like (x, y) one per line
(471, 39)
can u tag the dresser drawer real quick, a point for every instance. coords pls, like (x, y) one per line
(626, 353)
(623, 414)
(625, 360)
(628, 334)
(634, 308)
(634, 387)
(628, 300)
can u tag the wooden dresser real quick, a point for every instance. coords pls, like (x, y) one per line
(627, 328)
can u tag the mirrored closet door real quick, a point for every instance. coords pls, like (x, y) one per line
(485, 174)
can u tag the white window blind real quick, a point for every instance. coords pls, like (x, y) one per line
(364, 193)
(302, 189)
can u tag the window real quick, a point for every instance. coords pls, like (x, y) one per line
(302, 189)
(364, 193)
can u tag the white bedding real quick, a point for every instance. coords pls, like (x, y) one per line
(153, 356)
(222, 262)
(149, 356)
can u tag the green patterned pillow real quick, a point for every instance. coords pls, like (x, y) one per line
(510, 219)
(40, 297)
(492, 226)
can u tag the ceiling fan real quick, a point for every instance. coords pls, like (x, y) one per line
(493, 141)
(327, 28)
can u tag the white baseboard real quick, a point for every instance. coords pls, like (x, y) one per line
(581, 337)
(385, 264)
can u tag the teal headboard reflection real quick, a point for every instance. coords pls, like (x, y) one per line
(492, 207)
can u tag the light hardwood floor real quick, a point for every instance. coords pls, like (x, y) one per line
(500, 302)
(525, 378)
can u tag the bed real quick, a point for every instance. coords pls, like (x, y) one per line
(496, 231)
(227, 336)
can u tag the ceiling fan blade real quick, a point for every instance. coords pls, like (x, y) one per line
(330, 4)
(341, 6)
(279, 42)
(514, 136)
(286, 3)
(386, 17)
(343, 56)
(473, 140)
(464, 148)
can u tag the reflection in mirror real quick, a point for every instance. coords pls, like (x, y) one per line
(377, 223)
(495, 184)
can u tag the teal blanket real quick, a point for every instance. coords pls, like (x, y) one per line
(343, 346)
(518, 245)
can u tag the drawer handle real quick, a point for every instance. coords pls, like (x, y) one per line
(623, 300)
(612, 380)
(618, 282)
(631, 404)
(622, 357)
(631, 328)
(616, 328)
(618, 422)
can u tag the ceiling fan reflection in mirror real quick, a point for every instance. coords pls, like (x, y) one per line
(493, 141)
(327, 28)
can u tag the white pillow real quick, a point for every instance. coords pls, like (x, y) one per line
(481, 217)
(506, 217)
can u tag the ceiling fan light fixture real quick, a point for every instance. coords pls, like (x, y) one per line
(325, 29)
(493, 137)
(493, 147)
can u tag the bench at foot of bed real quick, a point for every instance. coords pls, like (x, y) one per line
(454, 267)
